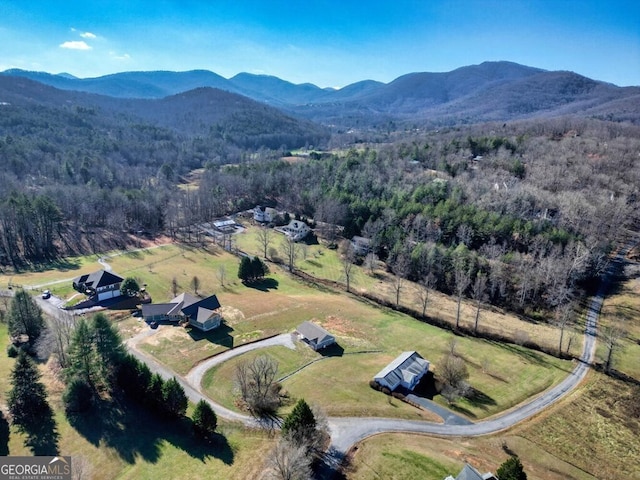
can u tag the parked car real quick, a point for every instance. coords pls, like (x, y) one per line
(46, 294)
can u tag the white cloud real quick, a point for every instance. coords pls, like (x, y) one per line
(88, 35)
(122, 57)
(75, 45)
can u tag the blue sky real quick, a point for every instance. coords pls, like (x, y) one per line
(325, 42)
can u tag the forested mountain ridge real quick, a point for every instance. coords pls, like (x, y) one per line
(203, 111)
(490, 91)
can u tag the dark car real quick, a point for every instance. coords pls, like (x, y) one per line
(46, 294)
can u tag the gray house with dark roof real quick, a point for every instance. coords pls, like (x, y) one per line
(406, 370)
(315, 336)
(203, 314)
(100, 284)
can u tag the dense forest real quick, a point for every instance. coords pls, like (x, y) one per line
(523, 213)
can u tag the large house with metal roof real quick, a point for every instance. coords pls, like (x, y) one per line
(203, 314)
(101, 284)
(405, 371)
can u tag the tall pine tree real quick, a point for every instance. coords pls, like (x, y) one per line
(27, 398)
(108, 348)
(300, 424)
(82, 356)
(25, 317)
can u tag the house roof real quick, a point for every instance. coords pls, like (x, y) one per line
(210, 303)
(298, 225)
(185, 304)
(361, 240)
(101, 278)
(313, 332)
(153, 309)
(405, 367)
(470, 473)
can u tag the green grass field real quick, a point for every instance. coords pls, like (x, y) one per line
(623, 307)
(370, 337)
(321, 262)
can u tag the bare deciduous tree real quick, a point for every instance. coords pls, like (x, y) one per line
(453, 372)
(56, 338)
(347, 257)
(462, 281)
(611, 335)
(424, 289)
(221, 274)
(264, 239)
(256, 382)
(479, 295)
(563, 319)
(400, 268)
(290, 251)
(370, 262)
(289, 461)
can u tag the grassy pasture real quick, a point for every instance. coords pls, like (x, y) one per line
(322, 262)
(624, 305)
(592, 434)
(503, 375)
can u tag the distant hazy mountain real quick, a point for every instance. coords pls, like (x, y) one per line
(199, 111)
(489, 91)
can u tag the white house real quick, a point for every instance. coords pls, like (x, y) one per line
(203, 314)
(264, 214)
(361, 245)
(315, 336)
(296, 230)
(405, 371)
(100, 284)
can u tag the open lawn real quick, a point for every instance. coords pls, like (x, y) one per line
(623, 308)
(592, 434)
(502, 376)
(321, 262)
(402, 456)
(355, 400)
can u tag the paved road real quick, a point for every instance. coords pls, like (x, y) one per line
(347, 431)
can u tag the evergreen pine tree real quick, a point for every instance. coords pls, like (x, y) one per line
(300, 424)
(174, 399)
(27, 398)
(5, 432)
(204, 419)
(154, 393)
(108, 347)
(25, 317)
(511, 469)
(244, 270)
(82, 356)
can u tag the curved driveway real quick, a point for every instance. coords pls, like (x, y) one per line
(346, 431)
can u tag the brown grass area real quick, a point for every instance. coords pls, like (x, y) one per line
(594, 433)
(492, 319)
(400, 456)
(596, 428)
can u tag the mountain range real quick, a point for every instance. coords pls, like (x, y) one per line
(491, 91)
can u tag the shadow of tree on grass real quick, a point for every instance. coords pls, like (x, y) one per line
(42, 439)
(131, 431)
(264, 285)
